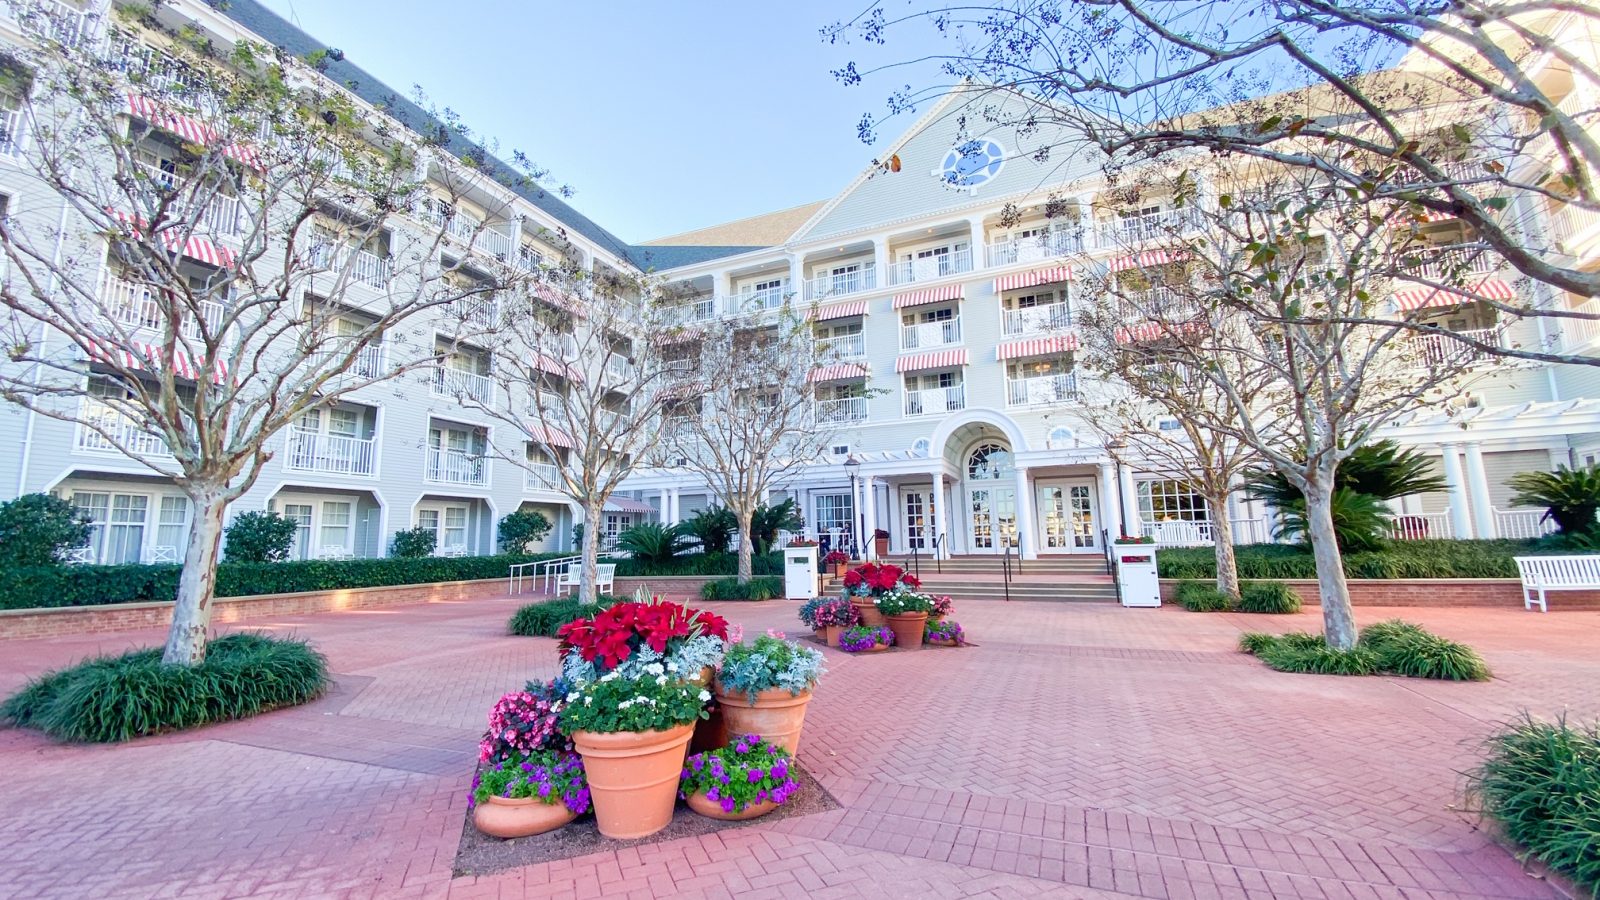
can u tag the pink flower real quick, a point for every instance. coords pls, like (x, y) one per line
(775, 633)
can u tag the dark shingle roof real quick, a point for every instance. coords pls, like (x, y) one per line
(652, 257)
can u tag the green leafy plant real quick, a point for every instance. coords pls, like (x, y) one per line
(1571, 497)
(541, 619)
(696, 564)
(520, 528)
(1380, 469)
(413, 543)
(1267, 597)
(900, 602)
(1360, 521)
(259, 536)
(1308, 654)
(1407, 649)
(1197, 596)
(767, 521)
(1541, 782)
(115, 698)
(654, 543)
(764, 587)
(746, 773)
(769, 663)
(713, 527)
(1399, 559)
(37, 529)
(612, 704)
(548, 775)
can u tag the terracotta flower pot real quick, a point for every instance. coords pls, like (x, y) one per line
(868, 611)
(942, 642)
(633, 777)
(880, 546)
(705, 806)
(908, 629)
(778, 716)
(838, 570)
(831, 634)
(820, 633)
(504, 818)
(875, 648)
(710, 733)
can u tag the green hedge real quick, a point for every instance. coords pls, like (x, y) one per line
(1400, 559)
(698, 564)
(762, 587)
(545, 617)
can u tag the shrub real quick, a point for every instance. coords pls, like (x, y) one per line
(1371, 473)
(1571, 497)
(115, 698)
(413, 543)
(519, 529)
(697, 564)
(1308, 654)
(37, 529)
(1398, 559)
(769, 663)
(713, 527)
(764, 587)
(259, 536)
(541, 619)
(1409, 650)
(1254, 642)
(767, 521)
(653, 543)
(1541, 782)
(1360, 521)
(1268, 597)
(1197, 596)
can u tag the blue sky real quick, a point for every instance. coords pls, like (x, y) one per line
(663, 116)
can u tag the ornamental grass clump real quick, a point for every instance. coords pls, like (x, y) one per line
(863, 637)
(1407, 649)
(654, 701)
(524, 722)
(746, 773)
(1272, 597)
(545, 618)
(1541, 782)
(1196, 596)
(550, 776)
(769, 663)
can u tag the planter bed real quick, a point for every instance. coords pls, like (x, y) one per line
(1473, 593)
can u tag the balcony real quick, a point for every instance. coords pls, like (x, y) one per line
(137, 306)
(1041, 390)
(1149, 226)
(449, 382)
(925, 335)
(828, 287)
(224, 215)
(758, 301)
(1576, 333)
(936, 401)
(1572, 223)
(1441, 349)
(619, 368)
(456, 467)
(932, 267)
(52, 19)
(481, 310)
(1033, 249)
(703, 309)
(1043, 319)
(334, 454)
(1452, 262)
(370, 269)
(119, 427)
(842, 346)
(841, 411)
(541, 477)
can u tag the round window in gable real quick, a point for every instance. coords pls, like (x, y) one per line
(920, 445)
(1060, 437)
(971, 163)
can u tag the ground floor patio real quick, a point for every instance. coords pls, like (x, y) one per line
(1078, 751)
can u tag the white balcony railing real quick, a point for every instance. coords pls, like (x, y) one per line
(137, 306)
(1573, 222)
(1202, 533)
(1150, 226)
(703, 309)
(1446, 263)
(451, 382)
(1036, 319)
(120, 432)
(370, 269)
(930, 334)
(1033, 249)
(52, 19)
(1041, 390)
(1522, 524)
(456, 467)
(936, 401)
(314, 451)
(757, 301)
(619, 368)
(481, 310)
(931, 267)
(841, 410)
(1420, 526)
(13, 131)
(842, 346)
(541, 477)
(827, 287)
(223, 215)
(1576, 333)
(1440, 349)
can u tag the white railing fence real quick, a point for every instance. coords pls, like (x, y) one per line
(118, 429)
(1522, 524)
(843, 346)
(1439, 349)
(841, 409)
(1420, 526)
(1033, 249)
(930, 267)
(313, 451)
(935, 400)
(1041, 390)
(930, 334)
(1036, 319)
(456, 467)
(843, 284)
(455, 382)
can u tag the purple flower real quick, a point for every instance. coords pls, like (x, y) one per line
(780, 769)
(712, 794)
(727, 804)
(755, 775)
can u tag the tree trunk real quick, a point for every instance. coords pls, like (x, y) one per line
(197, 583)
(1338, 621)
(589, 565)
(746, 548)
(1222, 540)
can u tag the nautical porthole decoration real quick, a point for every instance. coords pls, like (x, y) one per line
(970, 164)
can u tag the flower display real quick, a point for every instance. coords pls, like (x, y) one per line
(862, 638)
(836, 611)
(613, 635)
(808, 611)
(524, 722)
(942, 607)
(873, 580)
(656, 700)
(836, 558)
(767, 663)
(746, 773)
(688, 658)
(944, 631)
(900, 601)
(551, 776)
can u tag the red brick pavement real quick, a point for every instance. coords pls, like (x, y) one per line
(1080, 751)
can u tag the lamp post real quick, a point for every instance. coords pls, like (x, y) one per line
(1114, 446)
(853, 466)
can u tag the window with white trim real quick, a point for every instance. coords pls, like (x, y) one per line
(172, 524)
(455, 526)
(1171, 500)
(428, 520)
(116, 524)
(301, 514)
(336, 522)
(834, 512)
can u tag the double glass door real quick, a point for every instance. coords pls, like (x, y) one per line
(992, 515)
(1067, 519)
(918, 520)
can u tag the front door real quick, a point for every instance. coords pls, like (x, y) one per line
(919, 520)
(1067, 519)
(993, 518)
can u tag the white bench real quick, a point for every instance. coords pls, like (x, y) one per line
(605, 578)
(1556, 573)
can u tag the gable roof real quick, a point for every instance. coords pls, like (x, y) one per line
(766, 230)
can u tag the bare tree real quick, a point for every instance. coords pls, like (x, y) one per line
(238, 241)
(1483, 111)
(743, 415)
(582, 382)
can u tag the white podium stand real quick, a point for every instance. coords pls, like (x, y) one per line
(800, 573)
(1136, 574)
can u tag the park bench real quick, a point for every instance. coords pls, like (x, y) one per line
(1556, 573)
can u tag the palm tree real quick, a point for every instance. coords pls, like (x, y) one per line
(1571, 497)
(654, 542)
(769, 520)
(1359, 520)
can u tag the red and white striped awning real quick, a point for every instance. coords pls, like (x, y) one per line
(931, 295)
(1149, 331)
(1146, 259)
(628, 505)
(558, 298)
(150, 357)
(838, 372)
(195, 247)
(553, 437)
(1046, 346)
(1034, 278)
(552, 366)
(841, 310)
(190, 129)
(680, 391)
(939, 359)
(1426, 298)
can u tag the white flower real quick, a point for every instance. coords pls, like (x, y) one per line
(572, 696)
(624, 704)
(672, 666)
(610, 676)
(655, 668)
(661, 680)
(704, 696)
(587, 701)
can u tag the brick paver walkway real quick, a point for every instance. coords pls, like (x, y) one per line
(1080, 751)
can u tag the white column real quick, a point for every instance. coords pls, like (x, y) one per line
(976, 224)
(1478, 487)
(881, 260)
(938, 506)
(1110, 509)
(870, 510)
(1027, 540)
(1460, 523)
(722, 290)
(1128, 500)
(809, 514)
(797, 278)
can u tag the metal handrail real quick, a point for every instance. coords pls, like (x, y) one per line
(938, 551)
(1006, 566)
(1111, 567)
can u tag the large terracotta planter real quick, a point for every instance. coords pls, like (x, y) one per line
(880, 547)
(633, 777)
(908, 629)
(778, 716)
(831, 634)
(868, 610)
(525, 817)
(705, 806)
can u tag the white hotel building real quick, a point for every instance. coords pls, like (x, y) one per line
(957, 393)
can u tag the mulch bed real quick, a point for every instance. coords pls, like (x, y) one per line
(479, 854)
